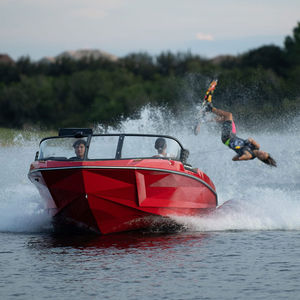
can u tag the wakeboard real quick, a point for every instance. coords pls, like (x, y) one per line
(207, 99)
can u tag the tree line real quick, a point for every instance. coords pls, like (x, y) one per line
(263, 81)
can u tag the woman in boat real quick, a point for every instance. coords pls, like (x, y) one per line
(245, 149)
(79, 147)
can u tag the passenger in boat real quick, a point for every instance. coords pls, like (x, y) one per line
(245, 149)
(161, 146)
(79, 146)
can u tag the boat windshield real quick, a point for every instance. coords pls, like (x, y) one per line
(60, 148)
(110, 147)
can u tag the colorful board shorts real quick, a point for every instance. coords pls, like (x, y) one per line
(228, 131)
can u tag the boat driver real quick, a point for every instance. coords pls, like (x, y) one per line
(79, 146)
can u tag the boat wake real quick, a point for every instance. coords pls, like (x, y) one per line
(234, 215)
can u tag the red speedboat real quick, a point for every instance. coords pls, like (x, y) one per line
(118, 182)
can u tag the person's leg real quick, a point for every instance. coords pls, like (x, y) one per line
(223, 115)
(228, 126)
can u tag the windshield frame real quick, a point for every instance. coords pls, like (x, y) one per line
(119, 147)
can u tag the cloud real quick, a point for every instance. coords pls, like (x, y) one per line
(204, 37)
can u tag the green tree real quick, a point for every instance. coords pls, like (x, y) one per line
(292, 46)
(268, 57)
(140, 64)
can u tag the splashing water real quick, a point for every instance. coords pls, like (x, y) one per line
(21, 209)
(260, 197)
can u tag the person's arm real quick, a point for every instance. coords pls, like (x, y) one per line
(254, 143)
(245, 156)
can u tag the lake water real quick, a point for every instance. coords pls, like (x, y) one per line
(249, 249)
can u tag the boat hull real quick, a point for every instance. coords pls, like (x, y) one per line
(119, 196)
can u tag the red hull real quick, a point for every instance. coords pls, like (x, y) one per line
(120, 195)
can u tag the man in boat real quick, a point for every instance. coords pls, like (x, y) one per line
(246, 149)
(161, 146)
(79, 147)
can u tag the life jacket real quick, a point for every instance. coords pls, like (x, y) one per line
(240, 146)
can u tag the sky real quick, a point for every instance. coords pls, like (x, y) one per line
(39, 28)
